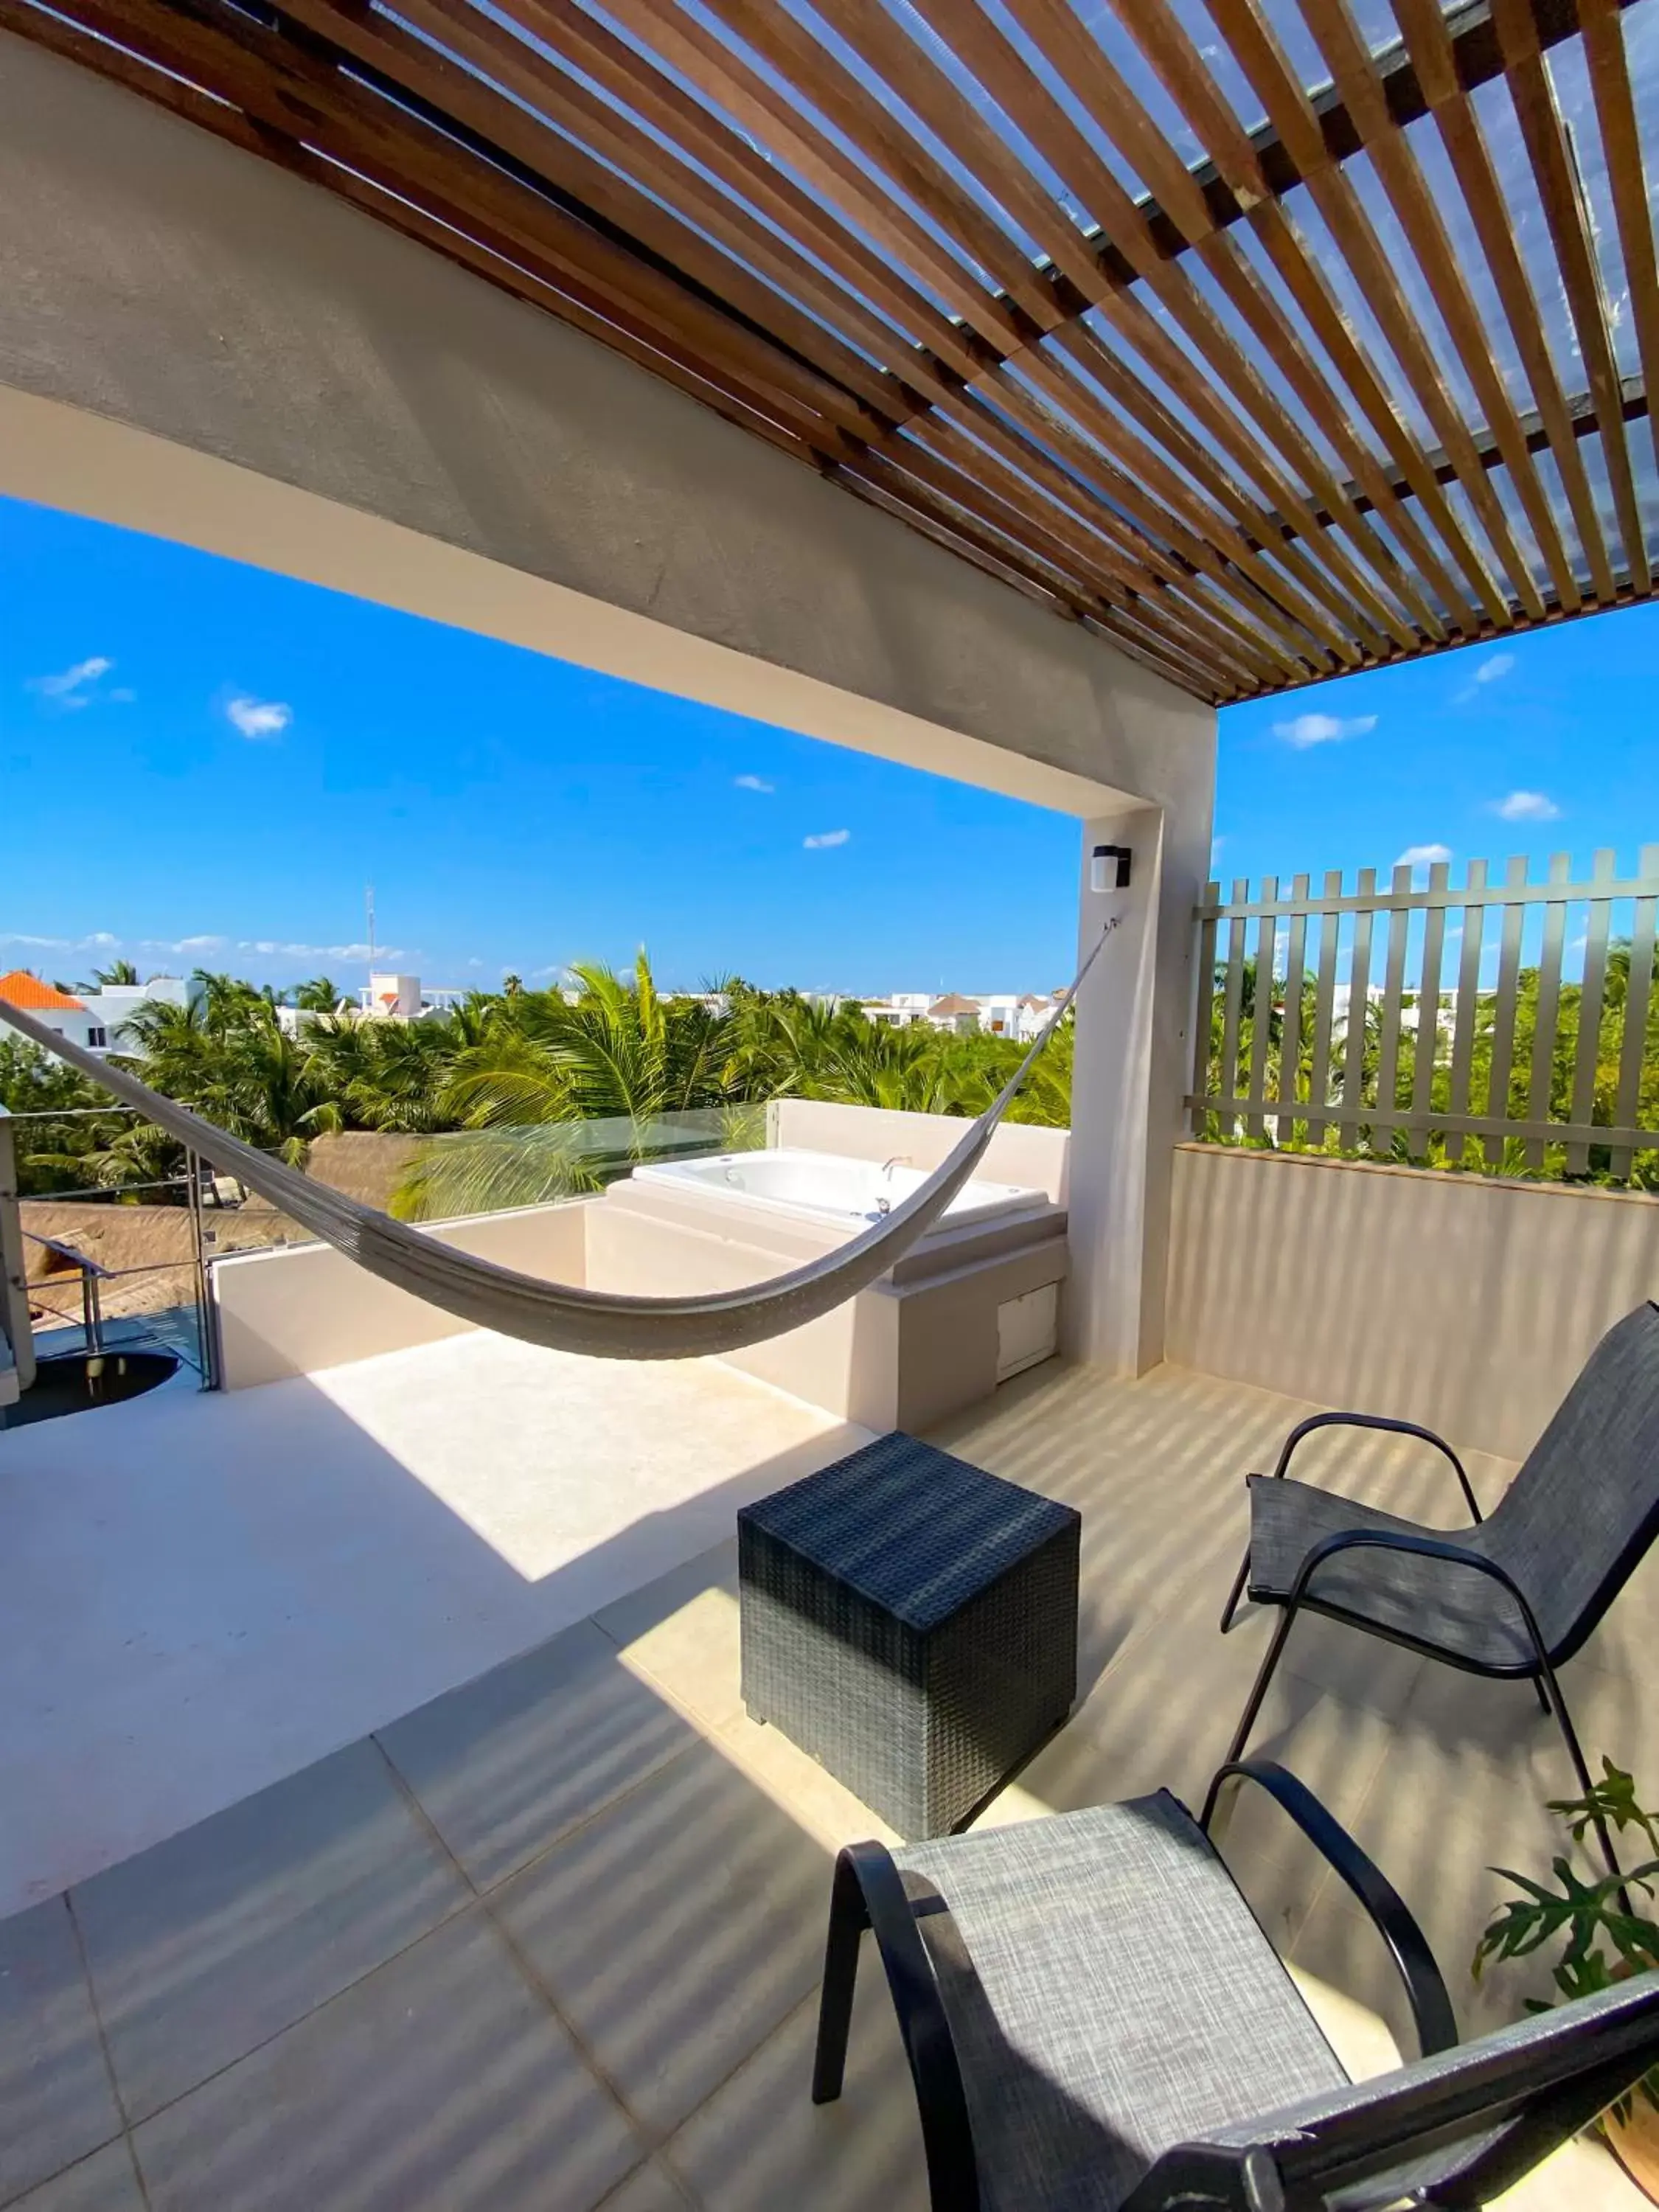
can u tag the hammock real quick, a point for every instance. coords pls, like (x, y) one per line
(602, 1324)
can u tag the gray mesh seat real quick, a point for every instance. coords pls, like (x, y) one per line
(1095, 2022)
(1514, 1594)
(1109, 1993)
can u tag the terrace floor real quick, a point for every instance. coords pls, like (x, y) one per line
(552, 1940)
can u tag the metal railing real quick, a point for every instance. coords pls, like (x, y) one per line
(80, 1302)
(1506, 1025)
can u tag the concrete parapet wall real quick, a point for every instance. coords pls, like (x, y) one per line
(1464, 1303)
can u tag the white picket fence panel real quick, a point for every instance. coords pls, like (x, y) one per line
(1311, 1068)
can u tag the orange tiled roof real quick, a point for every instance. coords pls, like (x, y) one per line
(19, 989)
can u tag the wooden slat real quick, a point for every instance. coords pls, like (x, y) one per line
(1394, 991)
(785, 45)
(284, 95)
(1592, 995)
(1026, 100)
(1555, 175)
(1260, 597)
(1256, 51)
(1088, 587)
(742, 244)
(1190, 83)
(1204, 1011)
(1466, 1014)
(1075, 545)
(1504, 1007)
(1638, 998)
(1233, 1001)
(1355, 75)
(1175, 442)
(535, 82)
(1261, 1019)
(1036, 447)
(1274, 83)
(1621, 142)
(1359, 984)
(764, 113)
(1545, 1035)
(1319, 1079)
(1429, 43)
(1425, 1052)
(1053, 28)
(1290, 1044)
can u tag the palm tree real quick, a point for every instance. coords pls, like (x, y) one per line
(321, 995)
(119, 973)
(620, 1056)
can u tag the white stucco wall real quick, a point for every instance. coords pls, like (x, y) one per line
(1465, 1304)
(297, 1311)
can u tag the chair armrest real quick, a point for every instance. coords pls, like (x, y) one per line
(924, 2027)
(1377, 1421)
(1425, 1989)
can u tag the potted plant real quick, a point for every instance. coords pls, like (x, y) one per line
(1605, 1937)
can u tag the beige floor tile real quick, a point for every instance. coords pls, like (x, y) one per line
(208, 1944)
(56, 2103)
(681, 1635)
(442, 2083)
(675, 1929)
(652, 2188)
(106, 2182)
(505, 1766)
(761, 2145)
(794, 1780)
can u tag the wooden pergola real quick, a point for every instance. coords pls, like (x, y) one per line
(1271, 341)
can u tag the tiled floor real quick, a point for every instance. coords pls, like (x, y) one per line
(200, 1595)
(552, 1942)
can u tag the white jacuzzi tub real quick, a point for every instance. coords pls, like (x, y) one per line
(826, 1187)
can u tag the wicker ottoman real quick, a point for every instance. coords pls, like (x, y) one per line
(911, 1621)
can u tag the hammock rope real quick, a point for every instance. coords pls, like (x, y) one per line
(602, 1324)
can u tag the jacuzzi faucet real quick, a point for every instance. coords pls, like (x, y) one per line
(897, 1160)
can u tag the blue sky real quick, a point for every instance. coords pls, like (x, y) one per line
(203, 764)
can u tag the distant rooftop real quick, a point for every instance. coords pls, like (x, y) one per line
(19, 988)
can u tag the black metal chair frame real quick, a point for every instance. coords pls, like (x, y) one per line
(868, 1892)
(1540, 1672)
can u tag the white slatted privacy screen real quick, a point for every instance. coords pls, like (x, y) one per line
(1502, 1024)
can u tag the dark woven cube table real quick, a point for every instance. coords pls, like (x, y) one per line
(911, 1621)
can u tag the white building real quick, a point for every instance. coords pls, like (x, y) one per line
(97, 1020)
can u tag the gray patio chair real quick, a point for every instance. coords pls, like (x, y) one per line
(1513, 1597)
(1095, 2022)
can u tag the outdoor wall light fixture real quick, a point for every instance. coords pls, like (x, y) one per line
(1108, 868)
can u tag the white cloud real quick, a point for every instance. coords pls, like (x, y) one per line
(1423, 856)
(196, 945)
(1527, 806)
(1496, 664)
(272, 948)
(259, 718)
(72, 687)
(475, 964)
(752, 783)
(1314, 729)
(99, 940)
(825, 838)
